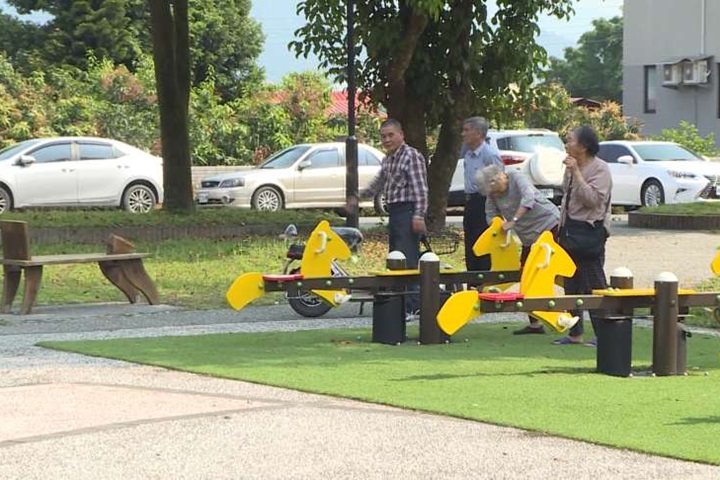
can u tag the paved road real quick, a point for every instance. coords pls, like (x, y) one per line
(71, 416)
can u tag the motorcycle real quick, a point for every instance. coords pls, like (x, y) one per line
(309, 305)
(306, 303)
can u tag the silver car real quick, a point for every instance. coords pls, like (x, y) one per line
(310, 175)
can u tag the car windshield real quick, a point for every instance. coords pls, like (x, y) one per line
(664, 153)
(285, 158)
(10, 151)
(529, 143)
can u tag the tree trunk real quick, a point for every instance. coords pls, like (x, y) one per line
(171, 55)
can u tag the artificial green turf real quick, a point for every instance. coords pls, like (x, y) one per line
(486, 374)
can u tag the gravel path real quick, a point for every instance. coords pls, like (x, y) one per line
(71, 416)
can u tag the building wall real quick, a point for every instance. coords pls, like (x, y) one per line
(657, 31)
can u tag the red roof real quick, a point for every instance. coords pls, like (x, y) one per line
(338, 103)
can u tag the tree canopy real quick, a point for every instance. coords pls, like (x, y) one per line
(225, 41)
(594, 68)
(432, 63)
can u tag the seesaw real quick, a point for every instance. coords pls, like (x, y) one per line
(544, 264)
(669, 304)
(324, 245)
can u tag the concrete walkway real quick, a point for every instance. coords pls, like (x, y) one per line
(76, 417)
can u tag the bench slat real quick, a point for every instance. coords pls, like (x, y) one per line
(38, 260)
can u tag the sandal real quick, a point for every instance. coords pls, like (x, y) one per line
(566, 341)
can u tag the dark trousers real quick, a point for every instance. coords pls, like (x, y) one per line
(402, 238)
(589, 275)
(474, 224)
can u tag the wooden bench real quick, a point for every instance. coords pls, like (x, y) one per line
(120, 264)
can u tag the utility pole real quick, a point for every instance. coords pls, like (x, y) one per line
(351, 144)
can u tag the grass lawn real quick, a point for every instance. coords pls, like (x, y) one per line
(486, 374)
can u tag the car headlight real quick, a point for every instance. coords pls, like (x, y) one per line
(676, 174)
(233, 182)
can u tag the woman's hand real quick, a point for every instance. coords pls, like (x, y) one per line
(570, 164)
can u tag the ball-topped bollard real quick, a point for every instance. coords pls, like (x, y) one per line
(395, 260)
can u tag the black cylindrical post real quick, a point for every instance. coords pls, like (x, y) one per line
(665, 325)
(351, 147)
(388, 323)
(614, 333)
(430, 299)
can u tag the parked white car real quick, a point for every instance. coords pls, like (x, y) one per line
(79, 172)
(537, 153)
(301, 176)
(647, 173)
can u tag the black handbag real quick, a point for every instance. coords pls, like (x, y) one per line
(581, 239)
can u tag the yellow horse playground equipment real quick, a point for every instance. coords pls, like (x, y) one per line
(547, 261)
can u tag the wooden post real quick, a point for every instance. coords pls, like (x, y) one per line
(430, 299)
(665, 325)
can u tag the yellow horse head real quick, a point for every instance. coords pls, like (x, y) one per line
(546, 261)
(324, 246)
(504, 251)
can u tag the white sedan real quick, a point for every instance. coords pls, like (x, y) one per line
(648, 173)
(310, 175)
(79, 172)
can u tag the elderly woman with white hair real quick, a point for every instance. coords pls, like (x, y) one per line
(511, 196)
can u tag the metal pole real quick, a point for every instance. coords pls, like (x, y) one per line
(429, 299)
(665, 324)
(351, 148)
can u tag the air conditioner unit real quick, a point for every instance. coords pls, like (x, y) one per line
(695, 72)
(671, 74)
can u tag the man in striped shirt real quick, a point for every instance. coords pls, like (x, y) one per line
(403, 180)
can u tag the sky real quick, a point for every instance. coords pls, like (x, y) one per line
(279, 22)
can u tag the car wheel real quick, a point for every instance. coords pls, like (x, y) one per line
(267, 199)
(138, 198)
(652, 194)
(380, 205)
(6, 202)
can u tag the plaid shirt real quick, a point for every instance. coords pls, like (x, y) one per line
(402, 178)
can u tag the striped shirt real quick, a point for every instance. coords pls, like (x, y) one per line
(475, 160)
(402, 178)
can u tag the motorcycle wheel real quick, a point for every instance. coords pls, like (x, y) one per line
(308, 305)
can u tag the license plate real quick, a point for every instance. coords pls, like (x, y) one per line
(547, 192)
(202, 197)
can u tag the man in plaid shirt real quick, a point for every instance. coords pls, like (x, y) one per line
(403, 180)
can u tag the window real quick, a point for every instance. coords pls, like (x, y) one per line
(95, 151)
(324, 159)
(650, 89)
(365, 158)
(59, 152)
(610, 153)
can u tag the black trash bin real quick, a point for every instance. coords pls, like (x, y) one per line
(388, 319)
(614, 347)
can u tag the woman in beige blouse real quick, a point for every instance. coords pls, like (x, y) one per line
(587, 186)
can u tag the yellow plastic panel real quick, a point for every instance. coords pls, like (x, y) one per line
(715, 264)
(636, 292)
(546, 261)
(458, 310)
(322, 247)
(504, 251)
(246, 288)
